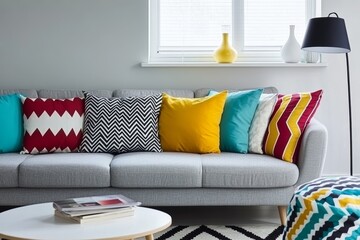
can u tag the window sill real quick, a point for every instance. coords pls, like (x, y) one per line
(236, 64)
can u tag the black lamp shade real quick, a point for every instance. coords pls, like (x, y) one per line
(326, 35)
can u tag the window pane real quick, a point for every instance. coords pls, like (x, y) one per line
(267, 22)
(192, 23)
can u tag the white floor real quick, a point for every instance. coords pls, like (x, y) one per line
(223, 215)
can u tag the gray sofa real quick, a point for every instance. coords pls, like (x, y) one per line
(159, 179)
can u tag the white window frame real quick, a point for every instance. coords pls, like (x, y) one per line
(244, 55)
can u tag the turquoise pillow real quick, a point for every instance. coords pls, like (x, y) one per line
(11, 123)
(236, 120)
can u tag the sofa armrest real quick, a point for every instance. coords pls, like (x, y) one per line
(312, 152)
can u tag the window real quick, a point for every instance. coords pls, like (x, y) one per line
(190, 30)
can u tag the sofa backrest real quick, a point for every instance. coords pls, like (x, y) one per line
(202, 92)
(26, 92)
(122, 93)
(45, 93)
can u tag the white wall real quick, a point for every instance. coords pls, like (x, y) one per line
(98, 44)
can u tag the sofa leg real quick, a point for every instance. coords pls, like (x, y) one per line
(282, 213)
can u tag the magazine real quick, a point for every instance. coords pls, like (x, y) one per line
(94, 203)
(96, 211)
(123, 212)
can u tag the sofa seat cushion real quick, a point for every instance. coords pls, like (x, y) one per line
(232, 170)
(9, 165)
(156, 170)
(66, 170)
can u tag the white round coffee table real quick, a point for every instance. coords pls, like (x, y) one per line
(38, 222)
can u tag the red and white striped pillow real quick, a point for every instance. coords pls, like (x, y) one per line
(52, 125)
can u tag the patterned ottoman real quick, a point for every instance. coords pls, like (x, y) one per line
(325, 208)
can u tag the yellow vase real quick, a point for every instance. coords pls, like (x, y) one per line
(225, 53)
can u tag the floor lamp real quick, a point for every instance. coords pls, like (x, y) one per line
(328, 35)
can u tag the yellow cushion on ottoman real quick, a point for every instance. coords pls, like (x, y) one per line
(191, 124)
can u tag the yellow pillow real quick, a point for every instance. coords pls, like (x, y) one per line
(191, 124)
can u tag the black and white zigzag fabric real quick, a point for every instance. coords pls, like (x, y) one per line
(121, 125)
(216, 232)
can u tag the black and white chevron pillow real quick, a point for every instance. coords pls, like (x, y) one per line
(121, 125)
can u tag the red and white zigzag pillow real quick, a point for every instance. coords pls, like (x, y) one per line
(292, 113)
(52, 125)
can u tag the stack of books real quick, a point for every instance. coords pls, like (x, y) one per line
(95, 208)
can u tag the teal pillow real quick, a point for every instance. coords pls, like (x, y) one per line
(11, 123)
(236, 120)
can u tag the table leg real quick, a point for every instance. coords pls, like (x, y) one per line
(282, 213)
(149, 237)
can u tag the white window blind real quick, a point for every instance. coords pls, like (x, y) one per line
(190, 24)
(266, 23)
(190, 30)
